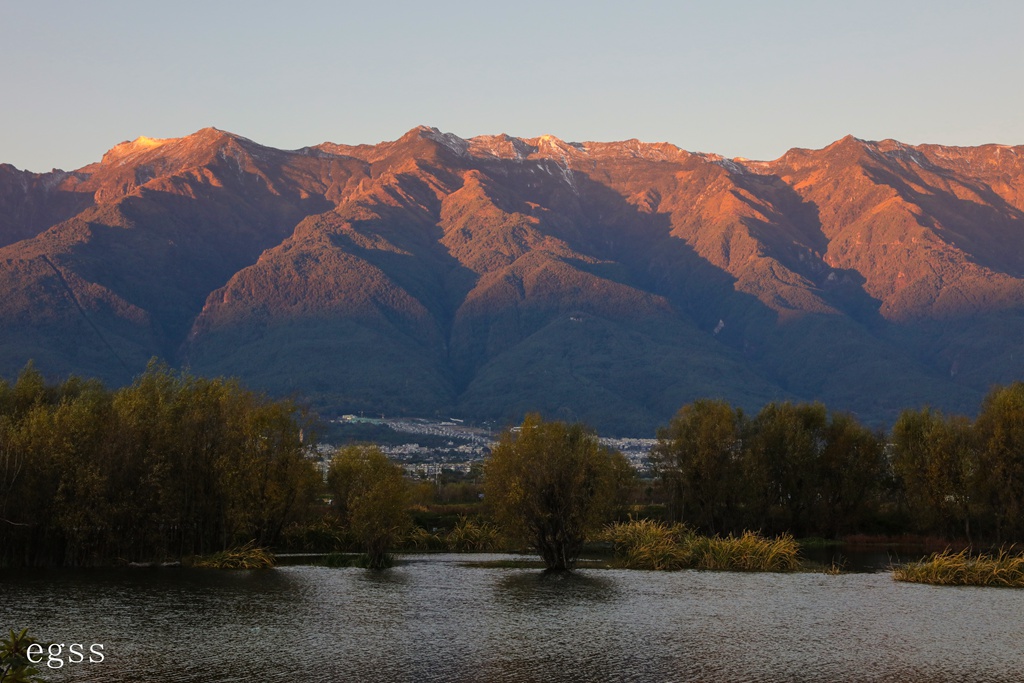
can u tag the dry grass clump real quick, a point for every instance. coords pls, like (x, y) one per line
(421, 539)
(248, 556)
(1004, 569)
(833, 568)
(750, 552)
(647, 544)
(469, 535)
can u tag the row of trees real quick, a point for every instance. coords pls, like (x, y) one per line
(170, 466)
(801, 469)
(792, 468)
(175, 465)
(964, 477)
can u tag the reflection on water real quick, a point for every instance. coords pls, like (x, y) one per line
(538, 590)
(433, 619)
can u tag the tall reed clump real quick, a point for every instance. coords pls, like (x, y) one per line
(647, 544)
(1004, 569)
(421, 539)
(750, 552)
(469, 535)
(248, 556)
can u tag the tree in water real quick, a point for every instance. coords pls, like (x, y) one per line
(372, 498)
(552, 484)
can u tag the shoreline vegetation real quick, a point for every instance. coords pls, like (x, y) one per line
(1004, 569)
(177, 469)
(648, 544)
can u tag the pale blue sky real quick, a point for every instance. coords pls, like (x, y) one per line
(739, 78)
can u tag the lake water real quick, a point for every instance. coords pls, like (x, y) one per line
(433, 619)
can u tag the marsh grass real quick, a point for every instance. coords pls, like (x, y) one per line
(423, 540)
(475, 536)
(749, 552)
(647, 544)
(469, 535)
(248, 556)
(833, 568)
(1003, 569)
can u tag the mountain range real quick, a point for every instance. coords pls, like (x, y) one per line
(490, 276)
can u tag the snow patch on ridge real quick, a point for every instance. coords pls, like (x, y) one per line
(122, 151)
(730, 165)
(901, 152)
(500, 147)
(449, 140)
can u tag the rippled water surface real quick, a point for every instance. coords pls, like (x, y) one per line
(434, 619)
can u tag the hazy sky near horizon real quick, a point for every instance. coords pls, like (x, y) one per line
(739, 78)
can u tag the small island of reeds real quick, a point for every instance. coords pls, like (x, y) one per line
(1002, 569)
(248, 556)
(649, 544)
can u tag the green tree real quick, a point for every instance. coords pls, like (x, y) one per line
(266, 479)
(30, 390)
(935, 461)
(786, 443)
(371, 495)
(1000, 432)
(552, 483)
(851, 469)
(698, 458)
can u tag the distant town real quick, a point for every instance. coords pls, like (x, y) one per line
(434, 448)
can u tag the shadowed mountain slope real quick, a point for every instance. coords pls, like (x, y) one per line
(607, 282)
